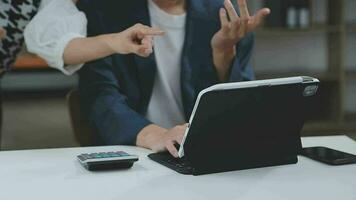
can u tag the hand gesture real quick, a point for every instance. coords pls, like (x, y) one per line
(233, 30)
(137, 39)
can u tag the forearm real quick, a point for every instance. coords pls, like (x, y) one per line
(148, 137)
(222, 62)
(82, 50)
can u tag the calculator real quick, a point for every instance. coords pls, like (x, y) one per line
(107, 160)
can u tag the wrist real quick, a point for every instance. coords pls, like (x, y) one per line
(150, 137)
(225, 50)
(224, 53)
(109, 41)
(222, 59)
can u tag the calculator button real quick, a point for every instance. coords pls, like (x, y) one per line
(121, 153)
(82, 158)
(117, 153)
(102, 155)
(95, 156)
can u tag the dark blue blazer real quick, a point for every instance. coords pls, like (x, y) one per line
(115, 91)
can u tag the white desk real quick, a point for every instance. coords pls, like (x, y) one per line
(55, 174)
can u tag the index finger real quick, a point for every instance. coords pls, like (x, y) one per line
(147, 31)
(243, 8)
(172, 149)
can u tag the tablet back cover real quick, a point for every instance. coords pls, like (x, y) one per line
(248, 128)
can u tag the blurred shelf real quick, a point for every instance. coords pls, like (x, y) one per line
(329, 128)
(350, 117)
(37, 80)
(29, 61)
(323, 76)
(315, 29)
(351, 74)
(316, 128)
(351, 28)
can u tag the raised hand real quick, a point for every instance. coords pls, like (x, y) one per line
(233, 30)
(137, 39)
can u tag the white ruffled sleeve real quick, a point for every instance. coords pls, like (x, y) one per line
(50, 31)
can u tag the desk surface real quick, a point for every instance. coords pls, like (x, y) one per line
(56, 174)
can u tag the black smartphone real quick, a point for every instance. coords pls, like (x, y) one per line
(329, 156)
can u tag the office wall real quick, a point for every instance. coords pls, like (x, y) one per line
(290, 52)
(285, 52)
(350, 10)
(319, 11)
(49, 80)
(351, 51)
(350, 104)
(351, 66)
(351, 56)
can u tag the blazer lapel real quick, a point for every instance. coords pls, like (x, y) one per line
(146, 67)
(188, 90)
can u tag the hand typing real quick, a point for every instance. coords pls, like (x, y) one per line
(159, 139)
(170, 138)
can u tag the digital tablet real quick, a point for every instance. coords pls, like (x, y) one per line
(309, 87)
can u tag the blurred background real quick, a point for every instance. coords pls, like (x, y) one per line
(301, 37)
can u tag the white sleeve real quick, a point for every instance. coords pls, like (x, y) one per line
(50, 31)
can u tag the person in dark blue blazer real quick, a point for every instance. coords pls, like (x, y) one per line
(116, 92)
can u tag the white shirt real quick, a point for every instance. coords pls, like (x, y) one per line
(50, 31)
(165, 107)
